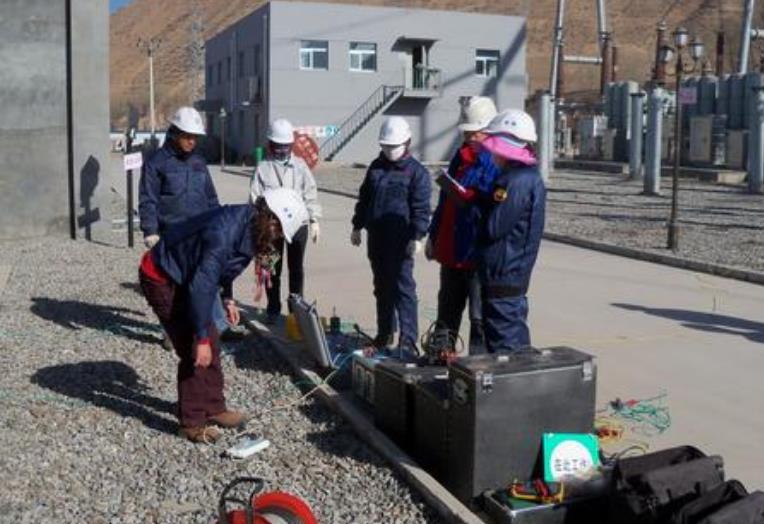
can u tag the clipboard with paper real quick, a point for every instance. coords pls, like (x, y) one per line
(454, 190)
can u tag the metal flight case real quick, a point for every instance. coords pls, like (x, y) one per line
(501, 405)
(394, 411)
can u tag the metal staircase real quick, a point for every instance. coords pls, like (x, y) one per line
(382, 98)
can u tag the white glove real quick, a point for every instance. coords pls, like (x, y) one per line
(150, 241)
(315, 231)
(355, 237)
(429, 249)
(414, 247)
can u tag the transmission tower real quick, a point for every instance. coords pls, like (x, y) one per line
(604, 60)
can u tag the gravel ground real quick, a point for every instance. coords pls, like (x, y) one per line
(87, 395)
(719, 224)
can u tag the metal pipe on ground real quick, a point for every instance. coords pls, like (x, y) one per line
(652, 180)
(637, 125)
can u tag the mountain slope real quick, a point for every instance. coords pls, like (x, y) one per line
(182, 26)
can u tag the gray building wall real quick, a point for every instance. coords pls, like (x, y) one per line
(321, 98)
(246, 43)
(33, 130)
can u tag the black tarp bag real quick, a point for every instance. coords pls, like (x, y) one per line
(650, 488)
(749, 510)
(708, 504)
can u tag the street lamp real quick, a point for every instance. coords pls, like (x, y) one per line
(150, 46)
(667, 54)
(223, 116)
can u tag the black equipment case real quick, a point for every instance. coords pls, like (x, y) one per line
(431, 424)
(501, 405)
(394, 382)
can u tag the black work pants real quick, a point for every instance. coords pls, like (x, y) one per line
(295, 255)
(457, 287)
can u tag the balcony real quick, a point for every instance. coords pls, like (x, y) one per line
(425, 83)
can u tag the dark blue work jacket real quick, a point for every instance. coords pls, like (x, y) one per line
(203, 254)
(511, 231)
(394, 201)
(173, 188)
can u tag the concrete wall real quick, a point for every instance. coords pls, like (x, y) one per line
(328, 97)
(90, 76)
(33, 131)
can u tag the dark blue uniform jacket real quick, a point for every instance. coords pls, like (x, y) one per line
(513, 224)
(479, 176)
(173, 188)
(394, 201)
(203, 254)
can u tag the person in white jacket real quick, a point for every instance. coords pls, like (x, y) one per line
(283, 169)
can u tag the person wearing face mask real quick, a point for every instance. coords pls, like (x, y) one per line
(512, 225)
(283, 169)
(454, 227)
(175, 185)
(394, 209)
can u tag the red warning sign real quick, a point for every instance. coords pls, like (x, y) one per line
(306, 148)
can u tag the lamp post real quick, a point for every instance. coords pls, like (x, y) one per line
(150, 46)
(223, 116)
(668, 53)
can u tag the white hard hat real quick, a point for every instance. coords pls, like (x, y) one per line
(287, 205)
(188, 120)
(514, 122)
(394, 131)
(477, 113)
(281, 131)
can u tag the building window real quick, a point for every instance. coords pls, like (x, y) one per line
(228, 77)
(314, 54)
(210, 75)
(486, 62)
(240, 65)
(256, 71)
(363, 56)
(242, 120)
(220, 73)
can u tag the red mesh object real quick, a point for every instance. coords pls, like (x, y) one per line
(306, 148)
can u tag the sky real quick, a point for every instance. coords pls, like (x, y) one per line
(116, 4)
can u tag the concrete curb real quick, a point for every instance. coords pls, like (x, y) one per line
(639, 254)
(658, 258)
(448, 507)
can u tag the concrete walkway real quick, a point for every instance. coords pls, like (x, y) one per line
(654, 329)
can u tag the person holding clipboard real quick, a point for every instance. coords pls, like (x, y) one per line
(453, 232)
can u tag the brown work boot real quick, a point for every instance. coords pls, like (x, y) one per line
(229, 419)
(200, 434)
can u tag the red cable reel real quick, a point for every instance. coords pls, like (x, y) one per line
(274, 507)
